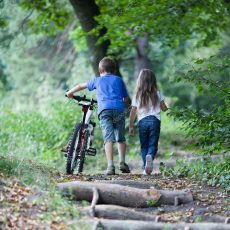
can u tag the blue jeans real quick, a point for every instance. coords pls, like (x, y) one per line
(112, 122)
(149, 132)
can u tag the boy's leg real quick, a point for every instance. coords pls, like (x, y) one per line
(109, 152)
(121, 150)
(119, 131)
(106, 123)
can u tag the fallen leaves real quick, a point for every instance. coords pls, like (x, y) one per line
(15, 206)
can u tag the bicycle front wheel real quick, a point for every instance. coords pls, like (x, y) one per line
(81, 157)
(73, 149)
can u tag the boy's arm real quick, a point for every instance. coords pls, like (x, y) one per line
(127, 101)
(75, 89)
(132, 119)
(163, 106)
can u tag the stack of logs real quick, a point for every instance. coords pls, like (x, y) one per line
(118, 204)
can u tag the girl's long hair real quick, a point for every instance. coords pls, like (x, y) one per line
(146, 89)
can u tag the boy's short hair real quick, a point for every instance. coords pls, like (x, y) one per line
(108, 65)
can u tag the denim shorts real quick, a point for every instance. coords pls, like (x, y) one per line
(112, 122)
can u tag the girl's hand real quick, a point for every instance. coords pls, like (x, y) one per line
(131, 131)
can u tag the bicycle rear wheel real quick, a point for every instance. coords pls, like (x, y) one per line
(73, 149)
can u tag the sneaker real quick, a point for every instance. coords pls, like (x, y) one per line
(149, 165)
(110, 170)
(124, 168)
(144, 173)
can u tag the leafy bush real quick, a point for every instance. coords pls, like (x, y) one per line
(209, 124)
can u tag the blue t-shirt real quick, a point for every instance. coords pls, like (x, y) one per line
(111, 91)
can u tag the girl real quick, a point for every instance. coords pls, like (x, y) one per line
(147, 102)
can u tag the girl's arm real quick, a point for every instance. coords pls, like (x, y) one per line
(75, 89)
(163, 106)
(132, 119)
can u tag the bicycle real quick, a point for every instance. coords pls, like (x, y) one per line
(81, 139)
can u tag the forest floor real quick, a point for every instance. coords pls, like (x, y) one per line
(27, 207)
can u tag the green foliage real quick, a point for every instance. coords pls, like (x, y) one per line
(210, 124)
(31, 135)
(49, 16)
(211, 129)
(151, 202)
(214, 173)
(168, 21)
(78, 37)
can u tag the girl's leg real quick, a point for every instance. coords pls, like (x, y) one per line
(143, 136)
(154, 133)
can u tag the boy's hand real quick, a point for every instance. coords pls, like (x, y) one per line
(69, 94)
(131, 131)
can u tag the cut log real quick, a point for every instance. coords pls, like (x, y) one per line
(111, 194)
(212, 219)
(131, 183)
(150, 225)
(116, 212)
(176, 197)
(124, 195)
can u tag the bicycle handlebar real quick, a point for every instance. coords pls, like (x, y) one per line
(79, 98)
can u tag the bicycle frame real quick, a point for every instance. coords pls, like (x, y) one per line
(87, 110)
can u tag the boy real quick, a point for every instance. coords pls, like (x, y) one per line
(111, 96)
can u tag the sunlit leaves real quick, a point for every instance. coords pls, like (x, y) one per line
(78, 36)
(167, 21)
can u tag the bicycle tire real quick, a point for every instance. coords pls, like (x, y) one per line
(72, 149)
(81, 159)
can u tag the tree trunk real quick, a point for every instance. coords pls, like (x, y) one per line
(147, 225)
(124, 195)
(141, 60)
(86, 12)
